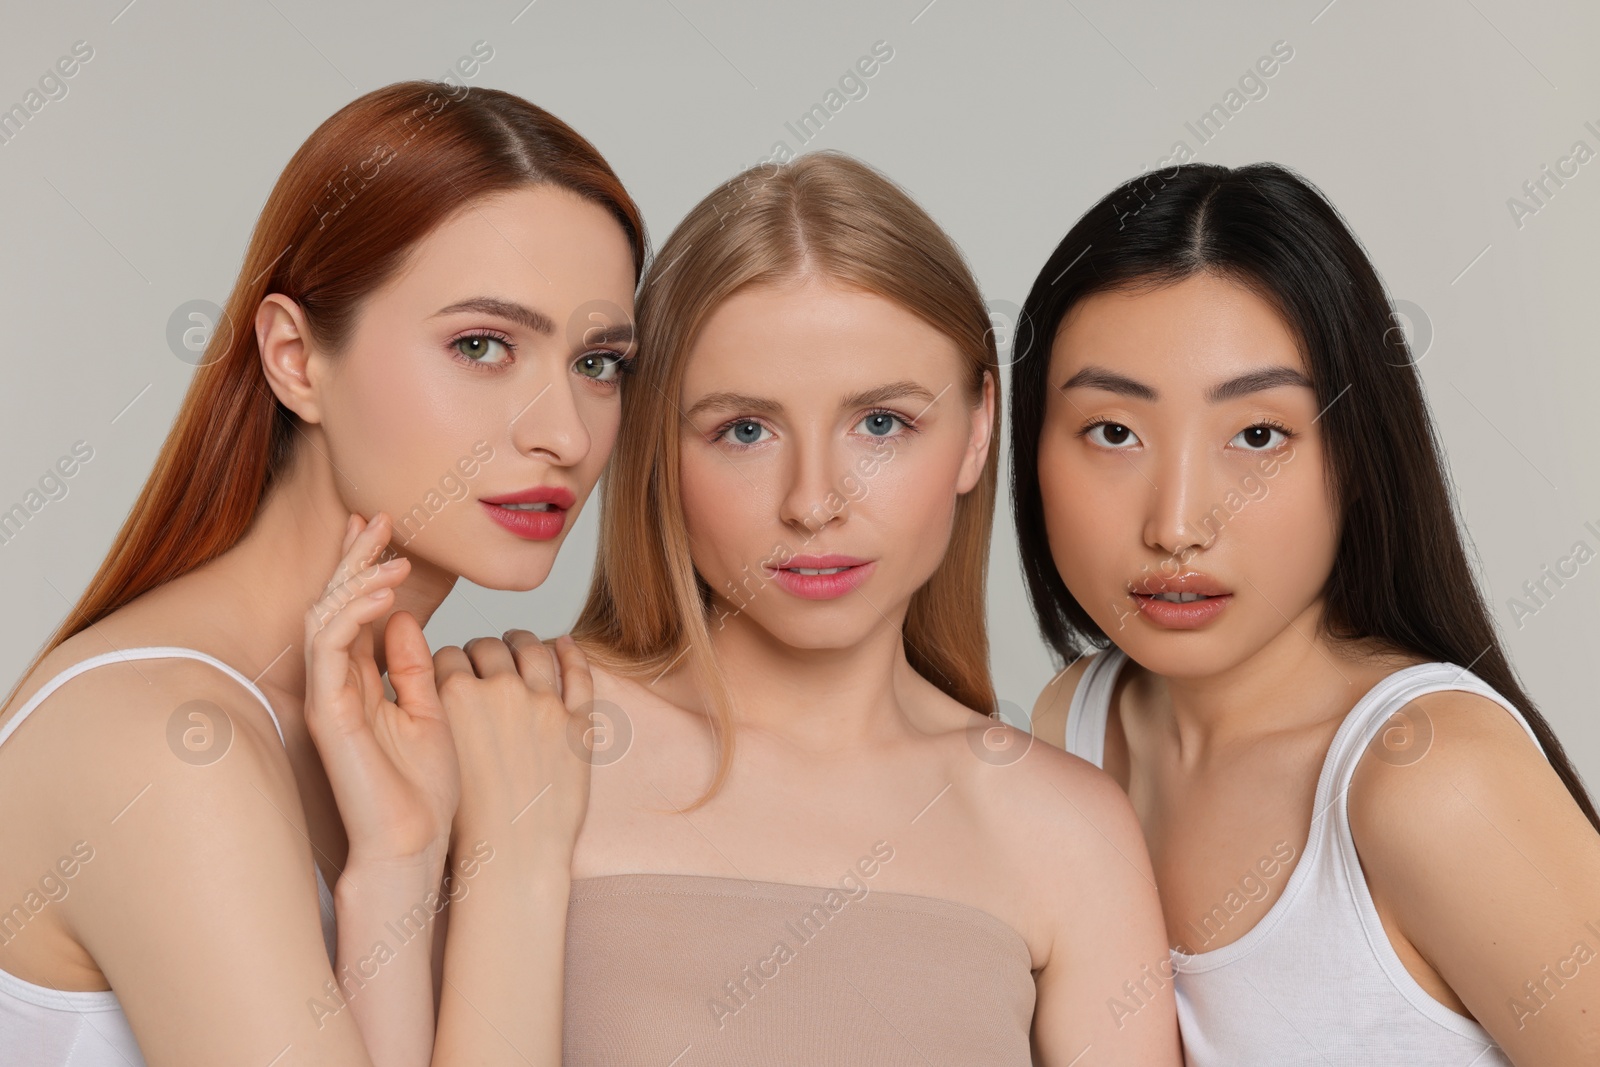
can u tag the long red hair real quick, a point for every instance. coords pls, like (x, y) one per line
(363, 189)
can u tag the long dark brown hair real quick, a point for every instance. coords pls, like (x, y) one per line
(368, 184)
(1400, 576)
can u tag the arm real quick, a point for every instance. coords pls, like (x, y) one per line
(525, 789)
(393, 771)
(1480, 863)
(1105, 993)
(200, 905)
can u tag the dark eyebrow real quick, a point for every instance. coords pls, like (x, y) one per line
(522, 315)
(1110, 381)
(760, 405)
(1256, 381)
(1253, 382)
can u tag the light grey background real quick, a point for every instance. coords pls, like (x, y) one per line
(136, 192)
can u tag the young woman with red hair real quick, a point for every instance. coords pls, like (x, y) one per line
(430, 323)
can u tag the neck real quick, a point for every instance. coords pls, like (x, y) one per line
(1297, 679)
(822, 700)
(265, 584)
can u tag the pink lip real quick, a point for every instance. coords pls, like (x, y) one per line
(531, 525)
(823, 586)
(1190, 616)
(1187, 582)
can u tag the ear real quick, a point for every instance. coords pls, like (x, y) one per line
(979, 443)
(287, 360)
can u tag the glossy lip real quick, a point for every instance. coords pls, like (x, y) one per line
(560, 496)
(532, 525)
(1189, 616)
(1187, 582)
(822, 586)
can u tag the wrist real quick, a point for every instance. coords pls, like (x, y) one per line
(393, 875)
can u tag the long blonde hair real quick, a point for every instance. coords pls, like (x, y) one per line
(822, 215)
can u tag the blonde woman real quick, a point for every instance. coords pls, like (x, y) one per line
(805, 840)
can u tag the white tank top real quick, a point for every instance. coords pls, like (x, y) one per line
(45, 1027)
(1316, 980)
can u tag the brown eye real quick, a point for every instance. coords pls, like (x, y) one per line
(1111, 435)
(1259, 438)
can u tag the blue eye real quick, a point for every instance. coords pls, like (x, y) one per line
(881, 423)
(745, 431)
(477, 348)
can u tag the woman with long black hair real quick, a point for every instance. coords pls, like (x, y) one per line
(1369, 844)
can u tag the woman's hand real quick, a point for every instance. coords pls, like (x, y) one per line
(391, 763)
(519, 716)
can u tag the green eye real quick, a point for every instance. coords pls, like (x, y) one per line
(601, 366)
(480, 348)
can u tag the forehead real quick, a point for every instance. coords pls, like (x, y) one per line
(541, 240)
(1200, 328)
(817, 331)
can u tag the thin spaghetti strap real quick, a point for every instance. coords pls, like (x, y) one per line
(126, 656)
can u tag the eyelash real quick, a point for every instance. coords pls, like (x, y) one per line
(908, 425)
(1268, 423)
(625, 364)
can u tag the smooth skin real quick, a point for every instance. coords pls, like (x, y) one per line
(199, 905)
(839, 742)
(1482, 868)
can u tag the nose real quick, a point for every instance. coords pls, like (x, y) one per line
(550, 423)
(1183, 515)
(811, 499)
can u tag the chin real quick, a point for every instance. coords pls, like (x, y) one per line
(1182, 654)
(508, 575)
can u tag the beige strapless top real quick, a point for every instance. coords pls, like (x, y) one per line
(687, 970)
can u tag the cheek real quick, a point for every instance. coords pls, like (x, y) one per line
(398, 431)
(723, 504)
(1289, 537)
(1081, 513)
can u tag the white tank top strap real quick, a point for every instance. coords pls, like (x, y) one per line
(1090, 708)
(127, 655)
(1407, 740)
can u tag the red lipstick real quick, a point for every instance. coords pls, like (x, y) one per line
(536, 514)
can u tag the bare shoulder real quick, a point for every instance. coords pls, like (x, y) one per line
(1447, 772)
(1450, 744)
(1062, 818)
(1049, 718)
(1455, 812)
(119, 732)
